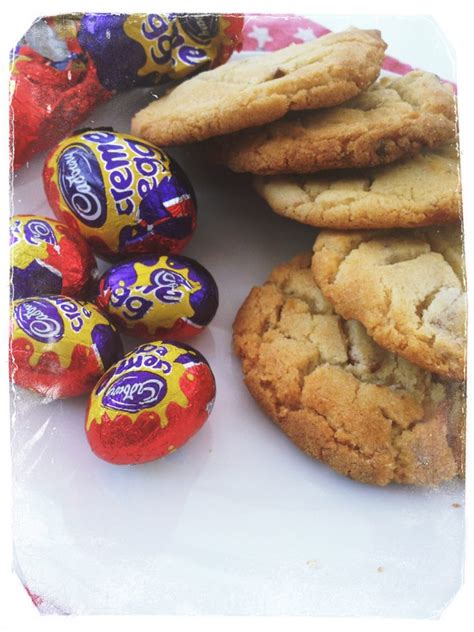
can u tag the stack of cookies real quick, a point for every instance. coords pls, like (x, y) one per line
(357, 351)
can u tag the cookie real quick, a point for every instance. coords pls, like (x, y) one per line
(341, 398)
(418, 191)
(392, 119)
(405, 286)
(254, 91)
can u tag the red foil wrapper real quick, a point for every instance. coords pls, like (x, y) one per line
(48, 102)
(47, 257)
(149, 403)
(59, 347)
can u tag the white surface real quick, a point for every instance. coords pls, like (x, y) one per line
(238, 521)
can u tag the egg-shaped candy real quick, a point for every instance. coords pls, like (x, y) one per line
(125, 196)
(48, 257)
(149, 403)
(145, 49)
(168, 296)
(59, 347)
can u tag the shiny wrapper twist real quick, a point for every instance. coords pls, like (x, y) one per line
(59, 347)
(159, 297)
(149, 403)
(122, 194)
(47, 257)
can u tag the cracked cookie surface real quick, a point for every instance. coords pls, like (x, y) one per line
(405, 286)
(254, 91)
(394, 118)
(341, 398)
(418, 191)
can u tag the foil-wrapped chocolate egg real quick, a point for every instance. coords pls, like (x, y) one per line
(125, 196)
(143, 49)
(59, 347)
(48, 257)
(149, 403)
(168, 296)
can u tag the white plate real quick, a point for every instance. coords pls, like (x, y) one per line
(238, 521)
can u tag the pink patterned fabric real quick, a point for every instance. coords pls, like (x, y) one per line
(267, 32)
(44, 607)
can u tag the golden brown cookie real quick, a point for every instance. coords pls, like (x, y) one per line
(364, 411)
(392, 119)
(253, 91)
(418, 191)
(405, 286)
